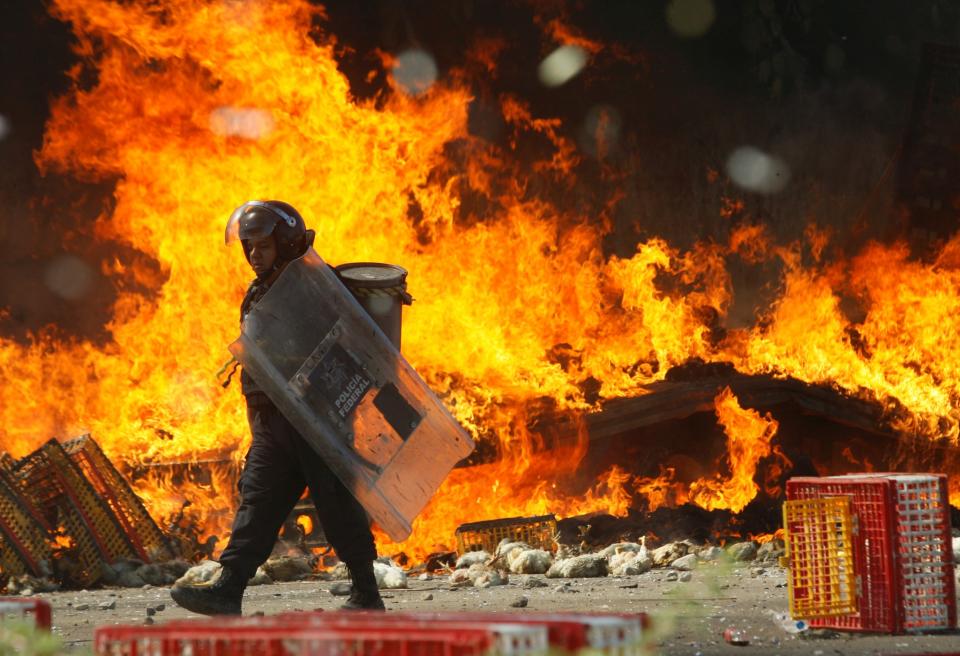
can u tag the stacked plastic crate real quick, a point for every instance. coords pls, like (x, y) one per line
(75, 495)
(141, 530)
(24, 542)
(382, 634)
(539, 532)
(871, 552)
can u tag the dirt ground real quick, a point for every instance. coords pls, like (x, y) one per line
(687, 617)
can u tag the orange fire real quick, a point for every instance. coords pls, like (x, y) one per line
(748, 440)
(199, 105)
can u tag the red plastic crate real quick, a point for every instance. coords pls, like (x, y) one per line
(18, 607)
(622, 634)
(873, 508)
(924, 551)
(24, 532)
(279, 636)
(902, 554)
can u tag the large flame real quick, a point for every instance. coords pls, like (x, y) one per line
(748, 440)
(199, 106)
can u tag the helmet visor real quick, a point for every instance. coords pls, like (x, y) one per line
(248, 223)
(232, 233)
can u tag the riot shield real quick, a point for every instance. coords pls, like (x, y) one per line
(336, 377)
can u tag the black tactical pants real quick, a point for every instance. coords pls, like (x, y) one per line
(279, 465)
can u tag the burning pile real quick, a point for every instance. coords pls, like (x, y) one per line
(520, 306)
(67, 512)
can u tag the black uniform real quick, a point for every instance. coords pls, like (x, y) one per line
(279, 465)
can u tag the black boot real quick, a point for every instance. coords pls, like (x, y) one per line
(221, 596)
(365, 594)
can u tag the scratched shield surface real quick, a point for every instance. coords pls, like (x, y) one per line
(339, 380)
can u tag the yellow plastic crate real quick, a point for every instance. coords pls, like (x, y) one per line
(819, 554)
(538, 532)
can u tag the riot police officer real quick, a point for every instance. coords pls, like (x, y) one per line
(280, 463)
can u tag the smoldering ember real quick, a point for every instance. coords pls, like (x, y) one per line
(620, 326)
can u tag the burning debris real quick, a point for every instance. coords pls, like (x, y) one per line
(78, 517)
(104, 534)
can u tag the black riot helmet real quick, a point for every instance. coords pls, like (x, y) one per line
(257, 219)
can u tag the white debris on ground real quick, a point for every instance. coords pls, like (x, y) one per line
(260, 578)
(201, 573)
(26, 585)
(521, 558)
(742, 551)
(478, 575)
(686, 563)
(628, 558)
(390, 576)
(339, 572)
(472, 558)
(478, 569)
(666, 554)
(584, 566)
(531, 561)
(289, 568)
(131, 573)
(710, 553)
(281, 568)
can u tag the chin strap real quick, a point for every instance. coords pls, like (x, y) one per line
(223, 370)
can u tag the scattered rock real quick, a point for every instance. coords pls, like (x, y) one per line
(686, 563)
(82, 607)
(148, 620)
(173, 570)
(389, 576)
(151, 611)
(160, 607)
(17, 584)
(710, 553)
(530, 582)
(153, 574)
(130, 580)
(341, 589)
(288, 568)
(340, 572)
(521, 602)
(588, 565)
(260, 578)
(757, 571)
(565, 587)
(108, 605)
(472, 558)
(685, 577)
(771, 551)
(672, 575)
(427, 597)
(122, 565)
(663, 556)
(742, 551)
